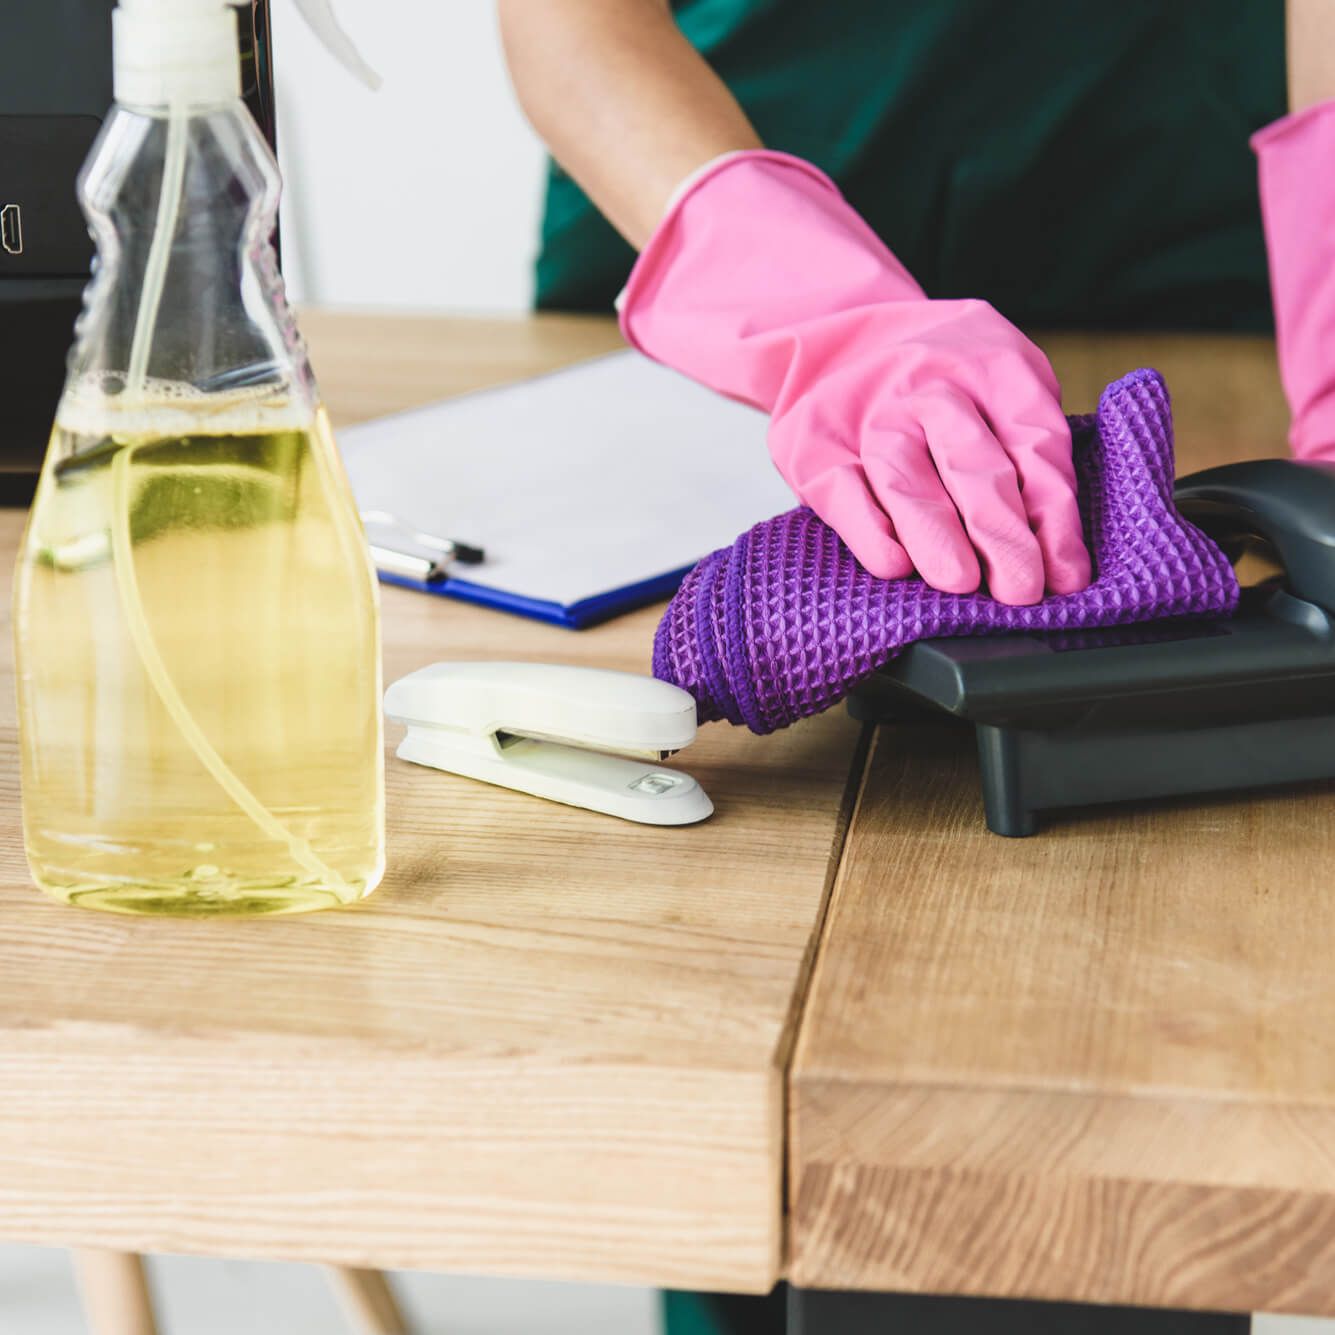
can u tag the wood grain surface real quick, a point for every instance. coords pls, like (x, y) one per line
(1098, 1063)
(551, 1044)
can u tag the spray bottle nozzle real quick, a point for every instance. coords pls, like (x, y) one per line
(319, 14)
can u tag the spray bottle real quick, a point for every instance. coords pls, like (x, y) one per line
(196, 614)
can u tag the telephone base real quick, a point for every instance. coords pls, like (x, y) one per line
(1025, 773)
(1165, 709)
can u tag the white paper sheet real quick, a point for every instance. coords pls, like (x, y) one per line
(591, 479)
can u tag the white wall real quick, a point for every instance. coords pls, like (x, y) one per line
(425, 195)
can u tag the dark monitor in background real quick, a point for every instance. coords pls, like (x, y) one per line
(55, 90)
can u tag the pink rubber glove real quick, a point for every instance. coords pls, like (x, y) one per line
(927, 434)
(1296, 158)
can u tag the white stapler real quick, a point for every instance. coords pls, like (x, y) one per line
(547, 729)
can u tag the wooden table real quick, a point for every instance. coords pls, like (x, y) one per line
(550, 1044)
(1097, 1064)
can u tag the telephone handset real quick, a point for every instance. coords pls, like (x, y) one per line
(1285, 507)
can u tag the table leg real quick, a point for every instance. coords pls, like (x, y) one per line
(368, 1301)
(817, 1312)
(115, 1292)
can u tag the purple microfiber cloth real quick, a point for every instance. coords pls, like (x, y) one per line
(785, 622)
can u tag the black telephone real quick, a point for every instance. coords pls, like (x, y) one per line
(55, 88)
(1076, 719)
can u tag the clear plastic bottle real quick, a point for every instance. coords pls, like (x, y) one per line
(196, 614)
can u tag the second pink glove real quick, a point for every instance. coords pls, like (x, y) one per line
(928, 434)
(1297, 185)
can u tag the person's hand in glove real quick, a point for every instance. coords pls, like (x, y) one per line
(928, 434)
(1296, 158)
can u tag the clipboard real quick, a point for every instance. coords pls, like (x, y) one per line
(592, 489)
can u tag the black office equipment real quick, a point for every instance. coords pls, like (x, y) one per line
(55, 90)
(1068, 720)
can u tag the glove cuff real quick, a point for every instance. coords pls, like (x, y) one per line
(758, 241)
(1296, 123)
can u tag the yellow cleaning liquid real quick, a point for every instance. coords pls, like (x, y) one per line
(199, 673)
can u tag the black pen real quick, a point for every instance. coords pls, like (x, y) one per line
(393, 560)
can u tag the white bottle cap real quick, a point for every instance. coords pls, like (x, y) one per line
(176, 53)
(185, 53)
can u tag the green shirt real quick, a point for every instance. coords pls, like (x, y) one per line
(1074, 163)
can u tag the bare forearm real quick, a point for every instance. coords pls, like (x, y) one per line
(624, 102)
(1311, 51)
